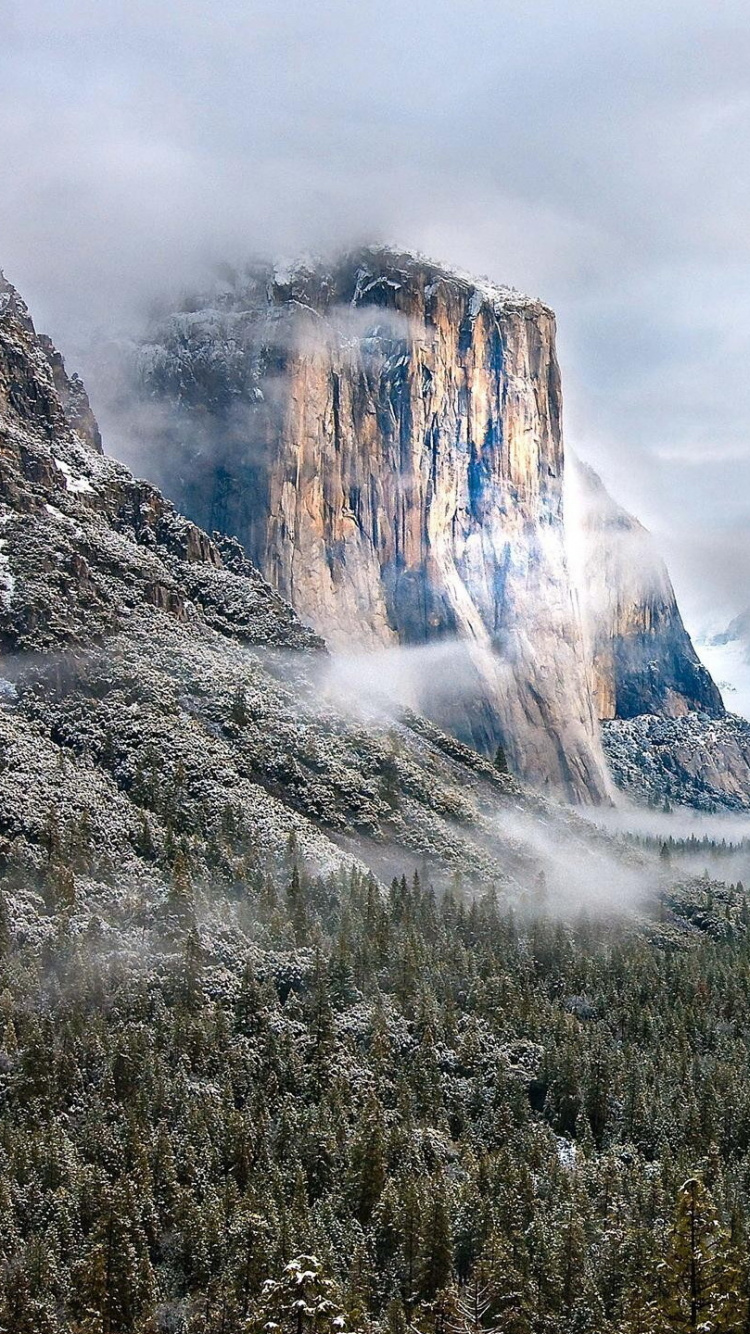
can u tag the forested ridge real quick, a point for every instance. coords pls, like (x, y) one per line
(402, 1111)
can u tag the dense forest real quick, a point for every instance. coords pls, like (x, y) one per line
(405, 1111)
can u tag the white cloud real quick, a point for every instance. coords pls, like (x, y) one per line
(597, 155)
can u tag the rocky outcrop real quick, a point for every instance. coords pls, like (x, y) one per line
(643, 659)
(74, 400)
(385, 439)
(693, 760)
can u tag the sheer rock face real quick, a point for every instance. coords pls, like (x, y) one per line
(385, 439)
(644, 661)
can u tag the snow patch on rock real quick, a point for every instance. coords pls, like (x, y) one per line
(73, 481)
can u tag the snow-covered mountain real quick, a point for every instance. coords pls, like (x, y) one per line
(728, 660)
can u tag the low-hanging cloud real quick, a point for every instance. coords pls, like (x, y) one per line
(594, 154)
(547, 855)
(384, 682)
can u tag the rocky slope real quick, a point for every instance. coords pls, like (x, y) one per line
(644, 661)
(666, 734)
(694, 760)
(162, 707)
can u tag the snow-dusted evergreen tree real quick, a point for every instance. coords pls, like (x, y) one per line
(700, 1284)
(302, 1299)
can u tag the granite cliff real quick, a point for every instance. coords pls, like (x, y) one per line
(384, 437)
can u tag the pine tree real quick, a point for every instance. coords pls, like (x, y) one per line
(368, 1161)
(192, 971)
(240, 713)
(699, 1282)
(62, 884)
(302, 1301)
(500, 762)
(181, 898)
(114, 1279)
(295, 905)
(145, 840)
(436, 1265)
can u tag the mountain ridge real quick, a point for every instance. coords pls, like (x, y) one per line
(643, 658)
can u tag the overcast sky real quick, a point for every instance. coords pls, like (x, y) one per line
(594, 154)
